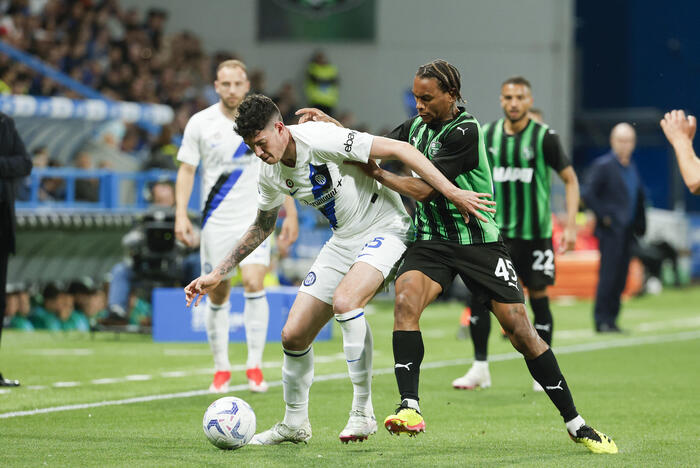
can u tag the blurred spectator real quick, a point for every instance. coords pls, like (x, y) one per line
(52, 188)
(286, 100)
(17, 308)
(536, 114)
(258, 81)
(57, 311)
(89, 299)
(88, 189)
(322, 83)
(615, 193)
(163, 153)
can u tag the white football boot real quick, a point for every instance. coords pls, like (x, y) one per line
(478, 376)
(280, 432)
(359, 427)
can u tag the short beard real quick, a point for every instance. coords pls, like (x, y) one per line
(524, 115)
(229, 108)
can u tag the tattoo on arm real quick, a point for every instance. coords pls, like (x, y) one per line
(261, 228)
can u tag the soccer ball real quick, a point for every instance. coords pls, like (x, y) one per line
(229, 423)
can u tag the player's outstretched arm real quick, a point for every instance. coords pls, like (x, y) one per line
(406, 185)
(261, 228)
(680, 131)
(466, 201)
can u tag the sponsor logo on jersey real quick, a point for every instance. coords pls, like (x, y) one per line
(289, 182)
(350, 140)
(513, 174)
(323, 199)
(310, 279)
(434, 148)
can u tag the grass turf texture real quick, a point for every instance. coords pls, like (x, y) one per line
(644, 395)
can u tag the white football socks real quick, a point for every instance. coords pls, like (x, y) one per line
(575, 424)
(358, 346)
(256, 314)
(297, 375)
(217, 333)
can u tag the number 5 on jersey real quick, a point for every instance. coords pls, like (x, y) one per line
(505, 270)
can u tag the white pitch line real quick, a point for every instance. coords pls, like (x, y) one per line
(615, 343)
(66, 384)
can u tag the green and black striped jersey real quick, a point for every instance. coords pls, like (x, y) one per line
(521, 177)
(456, 148)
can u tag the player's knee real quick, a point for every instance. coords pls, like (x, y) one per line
(293, 340)
(406, 309)
(344, 302)
(525, 339)
(254, 284)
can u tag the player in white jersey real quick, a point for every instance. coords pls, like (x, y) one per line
(229, 188)
(370, 232)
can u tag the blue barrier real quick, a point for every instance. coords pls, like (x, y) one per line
(172, 321)
(95, 110)
(111, 186)
(148, 116)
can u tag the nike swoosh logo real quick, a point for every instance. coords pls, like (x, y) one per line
(362, 255)
(292, 193)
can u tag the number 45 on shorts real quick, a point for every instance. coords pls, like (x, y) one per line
(505, 270)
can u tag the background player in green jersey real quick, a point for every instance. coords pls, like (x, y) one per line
(521, 152)
(447, 245)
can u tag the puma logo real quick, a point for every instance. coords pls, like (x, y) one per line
(554, 387)
(397, 365)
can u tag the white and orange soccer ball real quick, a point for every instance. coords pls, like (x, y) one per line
(229, 423)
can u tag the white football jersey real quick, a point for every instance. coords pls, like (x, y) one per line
(229, 168)
(349, 199)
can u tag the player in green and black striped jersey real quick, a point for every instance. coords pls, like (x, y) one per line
(447, 246)
(522, 151)
(446, 144)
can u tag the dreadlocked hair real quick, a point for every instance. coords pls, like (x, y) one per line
(254, 113)
(446, 74)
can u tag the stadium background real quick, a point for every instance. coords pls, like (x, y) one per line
(592, 64)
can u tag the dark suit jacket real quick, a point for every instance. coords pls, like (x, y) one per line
(14, 165)
(605, 192)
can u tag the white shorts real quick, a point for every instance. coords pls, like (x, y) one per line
(382, 250)
(217, 242)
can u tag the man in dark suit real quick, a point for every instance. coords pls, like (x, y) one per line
(14, 165)
(615, 193)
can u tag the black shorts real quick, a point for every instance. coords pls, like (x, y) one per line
(533, 260)
(486, 269)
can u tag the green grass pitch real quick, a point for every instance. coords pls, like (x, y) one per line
(641, 388)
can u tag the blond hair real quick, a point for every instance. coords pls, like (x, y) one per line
(232, 63)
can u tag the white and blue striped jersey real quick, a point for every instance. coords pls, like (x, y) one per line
(350, 200)
(229, 169)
